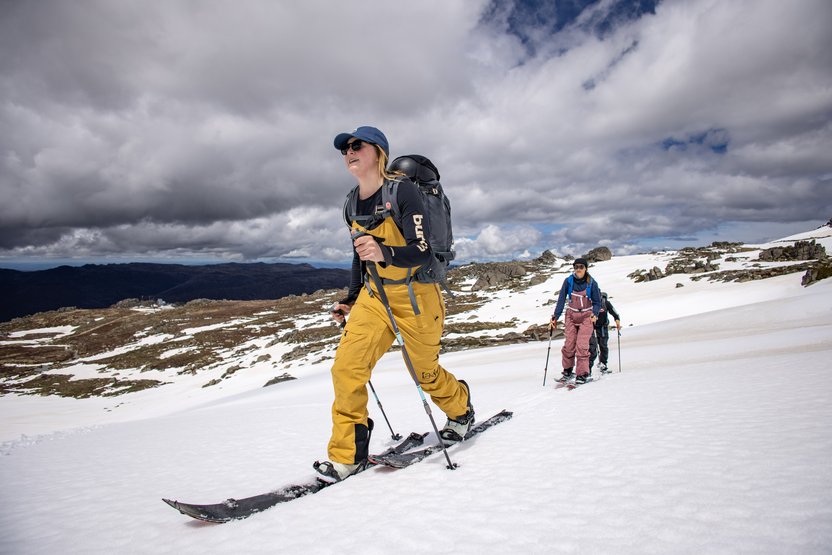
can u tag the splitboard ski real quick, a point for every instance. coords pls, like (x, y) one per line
(574, 385)
(233, 509)
(401, 460)
(560, 384)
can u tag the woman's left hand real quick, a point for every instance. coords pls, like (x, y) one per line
(368, 249)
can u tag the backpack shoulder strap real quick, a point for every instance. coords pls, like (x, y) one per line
(390, 200)
(351, 206)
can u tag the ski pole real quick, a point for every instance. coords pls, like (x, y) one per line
(393, 434)
(619, 351)
(383, 295)
(546, 368)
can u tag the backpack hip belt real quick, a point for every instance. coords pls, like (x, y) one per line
(406, 281)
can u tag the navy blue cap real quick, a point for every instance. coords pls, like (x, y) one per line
(365, 133)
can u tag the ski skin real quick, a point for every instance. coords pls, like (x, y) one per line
(571, 386)
(402, 460)
(234, 509)
(575, 385)
(560, 384)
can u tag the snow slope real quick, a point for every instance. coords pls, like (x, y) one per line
(714, 438)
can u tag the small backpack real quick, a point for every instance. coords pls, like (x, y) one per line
(440, 238)
(571, 282)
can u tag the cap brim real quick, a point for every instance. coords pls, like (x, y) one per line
(342, 139)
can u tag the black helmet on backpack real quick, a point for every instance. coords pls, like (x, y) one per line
(418, 168)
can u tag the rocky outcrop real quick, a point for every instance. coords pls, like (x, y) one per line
(690, 266)
(646, 275)
(541, 332)
(494, 274)
(753, 274)
(285, 377)
(821, 269)
(697, 260)
(537, 279)
(548, 257)
(598, 254)
(801, 250)
(692, 260)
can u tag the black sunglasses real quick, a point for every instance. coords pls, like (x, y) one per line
(579, 267)
(355, 146)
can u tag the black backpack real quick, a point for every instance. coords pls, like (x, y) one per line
(424, 174)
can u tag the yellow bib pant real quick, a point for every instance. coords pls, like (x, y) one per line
(368, 335)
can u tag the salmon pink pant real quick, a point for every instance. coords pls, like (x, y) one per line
(578, 330)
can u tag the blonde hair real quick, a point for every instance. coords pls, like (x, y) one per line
(382, 165)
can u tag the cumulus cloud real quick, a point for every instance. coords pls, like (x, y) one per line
(494, 242)
(191, 130)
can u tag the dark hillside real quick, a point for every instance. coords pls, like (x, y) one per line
(101, 285)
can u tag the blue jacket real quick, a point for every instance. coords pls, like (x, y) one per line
(574, 284)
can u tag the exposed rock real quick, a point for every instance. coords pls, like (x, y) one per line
(646, 275)
(821, 269)
(690, 261)
(753, 274)
(801, 250)
(496, 273)
(598, 254)
(695, 267)
(546, 258)
(541, 332)
(282, 378)
(537, 279)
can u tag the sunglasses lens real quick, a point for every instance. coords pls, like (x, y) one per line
(580, 267)
(355, 146)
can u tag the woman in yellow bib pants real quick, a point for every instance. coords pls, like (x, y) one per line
(397, 253)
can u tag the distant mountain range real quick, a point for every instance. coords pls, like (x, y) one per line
(99, 286)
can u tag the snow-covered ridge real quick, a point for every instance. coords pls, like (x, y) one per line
(713, 438)
(120, 358)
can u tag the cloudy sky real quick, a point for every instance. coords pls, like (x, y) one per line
(183, 131)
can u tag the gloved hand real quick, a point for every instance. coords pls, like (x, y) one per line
(339, 312)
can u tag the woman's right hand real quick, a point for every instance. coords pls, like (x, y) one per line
(339, 312)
